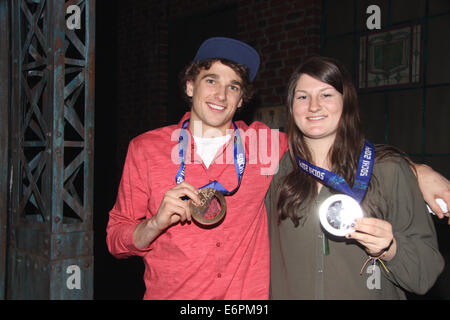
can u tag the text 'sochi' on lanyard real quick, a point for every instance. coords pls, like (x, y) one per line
(338, 212)
(212, 208)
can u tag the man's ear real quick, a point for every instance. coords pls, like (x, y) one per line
(189, 88)
(240, 103)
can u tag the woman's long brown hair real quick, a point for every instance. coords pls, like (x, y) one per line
(298, 189)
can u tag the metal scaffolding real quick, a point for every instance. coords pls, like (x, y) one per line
(51, 142)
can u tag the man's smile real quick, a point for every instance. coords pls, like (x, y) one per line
(215, 106)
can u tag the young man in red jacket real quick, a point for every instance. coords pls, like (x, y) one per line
(183, 259)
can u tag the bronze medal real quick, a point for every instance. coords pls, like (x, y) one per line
(212, 207)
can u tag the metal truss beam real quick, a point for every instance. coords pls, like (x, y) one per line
(50, 254)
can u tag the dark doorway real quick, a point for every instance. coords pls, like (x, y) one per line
(113, 278)
(185, 36)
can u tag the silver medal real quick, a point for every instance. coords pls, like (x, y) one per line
(338, 212)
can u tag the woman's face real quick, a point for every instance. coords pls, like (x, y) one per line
(317, 108)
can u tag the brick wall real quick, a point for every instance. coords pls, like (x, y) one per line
(283, 31)
(184, 8)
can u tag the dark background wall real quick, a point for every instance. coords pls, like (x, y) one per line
(141, 45)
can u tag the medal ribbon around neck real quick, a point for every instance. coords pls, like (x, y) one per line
(239, 160)
(333, 180)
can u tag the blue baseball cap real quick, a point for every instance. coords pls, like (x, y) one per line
(231, 49)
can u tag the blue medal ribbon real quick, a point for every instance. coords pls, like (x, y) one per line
(239, 160)
(333, 180)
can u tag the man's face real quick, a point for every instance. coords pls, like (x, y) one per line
(216, 95)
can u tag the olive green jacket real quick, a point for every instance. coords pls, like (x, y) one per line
(309, 263)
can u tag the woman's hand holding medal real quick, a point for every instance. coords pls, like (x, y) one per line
(376, 236)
